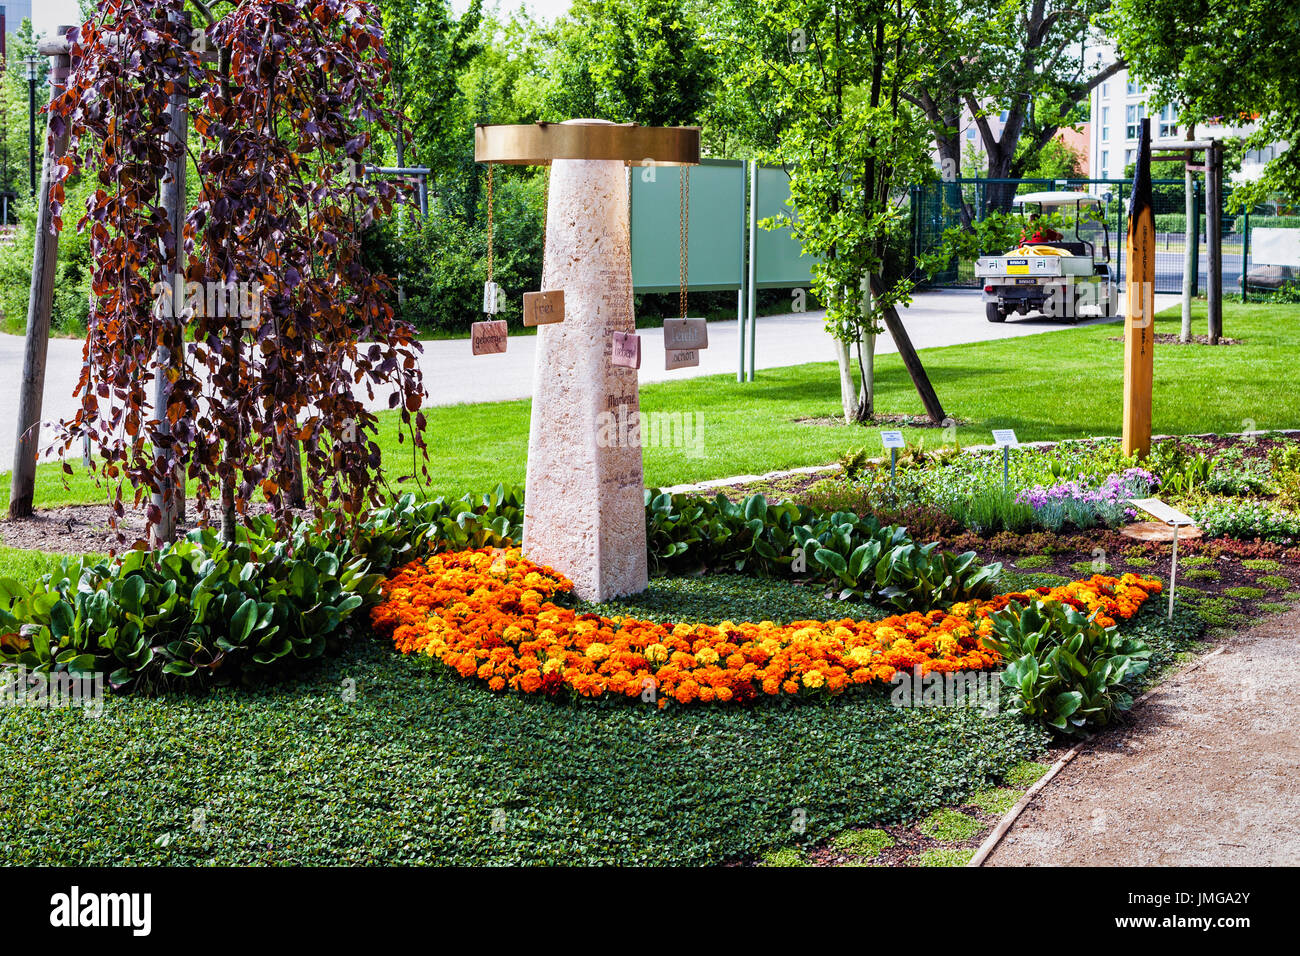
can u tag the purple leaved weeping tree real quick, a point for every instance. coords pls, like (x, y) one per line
(276, 334)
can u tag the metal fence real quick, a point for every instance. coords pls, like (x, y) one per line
(939, 206)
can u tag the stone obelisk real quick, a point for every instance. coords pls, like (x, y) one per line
(584, 511)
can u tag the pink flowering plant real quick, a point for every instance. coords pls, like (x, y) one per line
(1083, 505)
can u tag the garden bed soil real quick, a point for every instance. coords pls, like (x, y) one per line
(78, 529)
(906, 421)
(1201, 774)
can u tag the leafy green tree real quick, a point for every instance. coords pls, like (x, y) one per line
(429, 47)
(1024, 61)
(837, 72)
(1055, 160)
(629, 61)
(1228, 59)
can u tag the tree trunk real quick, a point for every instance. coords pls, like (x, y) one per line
(1214, 238)
(867, 358)
(173, 203)
(867, 366)
(290, 477)
(45, 257)
(848, 390)
(911, 360)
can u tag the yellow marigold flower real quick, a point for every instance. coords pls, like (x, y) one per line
(656, 653)
(814, 679)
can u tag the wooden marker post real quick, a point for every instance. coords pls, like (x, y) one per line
(39, 304)
(1139, 322)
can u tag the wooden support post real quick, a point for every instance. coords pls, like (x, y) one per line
(1139, 321)
(40, 302)
(1214, 238)
(169, 499)
(911, 361)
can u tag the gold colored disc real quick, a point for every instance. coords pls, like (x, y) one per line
(540, 143)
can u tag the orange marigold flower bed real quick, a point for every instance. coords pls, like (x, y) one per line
(488, 614)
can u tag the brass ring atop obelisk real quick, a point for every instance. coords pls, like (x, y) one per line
(539, 143)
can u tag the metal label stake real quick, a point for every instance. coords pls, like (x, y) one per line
(1175, 519)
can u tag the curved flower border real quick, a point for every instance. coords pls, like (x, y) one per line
(488, 614)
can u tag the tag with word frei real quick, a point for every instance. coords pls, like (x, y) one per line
(543, 308)
(626, 350)
(683, 339)
(1005, 438)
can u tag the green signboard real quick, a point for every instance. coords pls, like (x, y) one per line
(716, 258)
(779, 262)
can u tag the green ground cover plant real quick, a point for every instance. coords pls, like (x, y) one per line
(362, 761)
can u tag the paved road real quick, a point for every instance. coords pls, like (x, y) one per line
(453, 376)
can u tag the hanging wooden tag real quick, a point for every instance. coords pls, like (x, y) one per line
(686, 334)
(681, 358)
(627, 350)
(488, 338)
(543, 308)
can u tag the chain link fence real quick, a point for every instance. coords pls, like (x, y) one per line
(939, 206)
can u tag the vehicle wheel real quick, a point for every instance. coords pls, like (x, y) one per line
(993, 313)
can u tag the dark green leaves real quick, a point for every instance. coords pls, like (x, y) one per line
(856, 555)
(1065, 669)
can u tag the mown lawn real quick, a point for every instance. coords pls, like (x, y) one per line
(1065, 384)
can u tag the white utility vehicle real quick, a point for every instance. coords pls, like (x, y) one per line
(1057, 277)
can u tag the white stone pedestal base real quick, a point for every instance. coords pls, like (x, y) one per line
(584, 512)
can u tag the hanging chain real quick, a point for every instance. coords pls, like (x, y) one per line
(489, 222)
(684, 215)
(546, 207)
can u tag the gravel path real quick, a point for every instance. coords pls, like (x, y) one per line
(1205, 775)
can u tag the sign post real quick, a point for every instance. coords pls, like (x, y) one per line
(1139, 321)
(893, 440)
(1175, 519)
(1005, 438)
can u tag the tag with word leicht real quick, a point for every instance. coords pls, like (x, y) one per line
(686, 334)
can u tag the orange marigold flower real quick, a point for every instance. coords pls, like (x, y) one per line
(487, 613)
